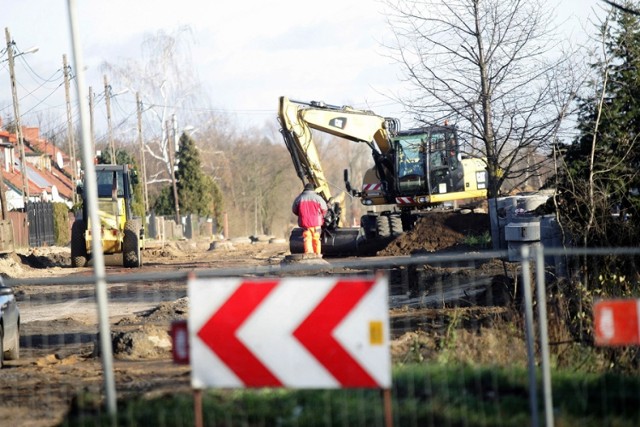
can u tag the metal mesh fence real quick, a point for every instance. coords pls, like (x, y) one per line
(467, 347)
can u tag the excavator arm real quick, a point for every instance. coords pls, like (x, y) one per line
(302, 148)
(297, 119)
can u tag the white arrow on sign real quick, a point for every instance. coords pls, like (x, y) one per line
(292, 332)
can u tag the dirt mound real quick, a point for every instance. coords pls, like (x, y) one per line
(35, 260)
(147, 342)
(437, 231)
(165, 312)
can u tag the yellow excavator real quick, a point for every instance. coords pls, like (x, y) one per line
(415, 170)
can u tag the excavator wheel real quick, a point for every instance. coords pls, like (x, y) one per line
(382, 224)
(368, 225)
(395, 223)
(78, 244)
(131, 256)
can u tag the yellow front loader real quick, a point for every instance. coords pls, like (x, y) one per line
(120, 232)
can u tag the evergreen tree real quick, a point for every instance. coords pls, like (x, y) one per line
(163, 204)
(197, 193)
(195, 189)
(601, 167)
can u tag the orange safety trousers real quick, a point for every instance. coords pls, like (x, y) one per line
(311, 238)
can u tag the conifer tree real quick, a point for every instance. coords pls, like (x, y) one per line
(197, 192)
(195, 189)
(600, 176)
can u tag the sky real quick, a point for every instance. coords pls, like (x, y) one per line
(246, 53)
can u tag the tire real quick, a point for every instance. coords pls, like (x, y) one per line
(131, 257)
(78, 245)
(382, 224)
(14, 352)
(368, 225)
(395, 224)
(1, 346)
(408, 221)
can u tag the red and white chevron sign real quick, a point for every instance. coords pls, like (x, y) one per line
(291, 332)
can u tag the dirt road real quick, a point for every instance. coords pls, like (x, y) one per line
(59, 321)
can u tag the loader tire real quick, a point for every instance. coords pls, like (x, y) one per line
(78, 245)
(131, 256)
(14, 352)
(1, 346)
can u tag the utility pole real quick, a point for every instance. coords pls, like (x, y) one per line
(16, 112)
(3, 187)
(142, 159)
(70, 137)
(107, 98)
(172, 149)
(91, 127)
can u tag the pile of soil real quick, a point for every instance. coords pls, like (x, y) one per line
(437, 231)
(164, 313)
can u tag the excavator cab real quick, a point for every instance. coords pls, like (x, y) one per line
(427, 163)
(411, 164)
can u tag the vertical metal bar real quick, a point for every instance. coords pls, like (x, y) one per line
(91, 189)
(528, 303)
(541, 293)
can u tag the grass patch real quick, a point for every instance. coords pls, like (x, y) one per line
(481, 241)
(423, 395)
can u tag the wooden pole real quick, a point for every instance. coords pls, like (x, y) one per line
(172, 151)
(91, 126)
(16, 112)
(70, 136)
(142, 159)
(197, 408)
(388, 413)
(107, 100)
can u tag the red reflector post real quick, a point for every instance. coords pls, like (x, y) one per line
(180, 340)
(616, 322)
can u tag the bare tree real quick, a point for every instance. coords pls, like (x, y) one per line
(493, 68)
(164, 76)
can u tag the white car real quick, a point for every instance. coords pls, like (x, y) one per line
(9, 325)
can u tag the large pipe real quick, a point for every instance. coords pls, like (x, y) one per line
(341, 242)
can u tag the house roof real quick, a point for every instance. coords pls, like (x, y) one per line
(39, 180)
(44, 146)
(15, 179)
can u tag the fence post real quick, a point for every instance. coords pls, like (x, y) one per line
(528, 304)
(541, 294)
